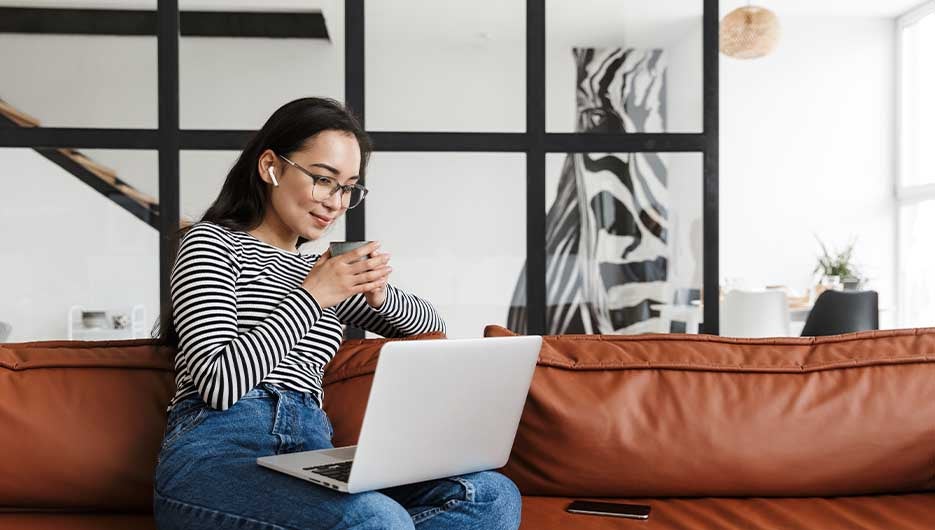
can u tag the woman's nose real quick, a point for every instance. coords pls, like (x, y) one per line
(334, 201)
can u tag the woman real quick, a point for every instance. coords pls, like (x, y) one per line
(256, 322)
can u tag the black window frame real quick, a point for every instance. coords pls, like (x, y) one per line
(535, 142)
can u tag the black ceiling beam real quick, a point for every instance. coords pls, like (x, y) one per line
(553, 142)
(623, 143)
(77, 21)
(480, 142)
(296, 25)
(78, 138)
(208, 139)
(448, 141)
(273, 25)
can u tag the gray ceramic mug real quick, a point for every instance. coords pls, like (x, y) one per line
(340, 247)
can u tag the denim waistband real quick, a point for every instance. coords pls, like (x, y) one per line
(269, 390)
(261, 391)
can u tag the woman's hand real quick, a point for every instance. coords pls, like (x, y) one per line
(335, 279)
(377, 296)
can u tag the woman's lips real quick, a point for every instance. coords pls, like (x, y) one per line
(322, 221)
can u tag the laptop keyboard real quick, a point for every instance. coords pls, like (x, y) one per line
(340, 471)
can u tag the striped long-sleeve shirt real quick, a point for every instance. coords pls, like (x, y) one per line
(243, 318)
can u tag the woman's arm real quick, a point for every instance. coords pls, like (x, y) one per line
(223, 363)
(401, 314)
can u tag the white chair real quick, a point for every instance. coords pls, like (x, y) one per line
(755, 314)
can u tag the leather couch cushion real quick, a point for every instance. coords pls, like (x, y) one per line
(77, 521)
(347, 384)
(82, 423)
(685, 416)
(890, 512)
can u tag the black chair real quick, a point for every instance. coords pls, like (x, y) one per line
(843, 312)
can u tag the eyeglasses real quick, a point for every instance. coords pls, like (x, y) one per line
(325, 187)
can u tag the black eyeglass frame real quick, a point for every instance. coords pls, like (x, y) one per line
(346, 189)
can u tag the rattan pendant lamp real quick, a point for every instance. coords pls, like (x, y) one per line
(749, 32)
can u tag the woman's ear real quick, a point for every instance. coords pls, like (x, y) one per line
(266, 167)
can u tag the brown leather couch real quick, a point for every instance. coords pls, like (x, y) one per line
(823, 433)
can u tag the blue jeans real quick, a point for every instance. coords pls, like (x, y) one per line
(207, 476)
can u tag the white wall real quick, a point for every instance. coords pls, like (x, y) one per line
(807, 150)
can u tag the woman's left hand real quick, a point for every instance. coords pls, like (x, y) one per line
(377, 296)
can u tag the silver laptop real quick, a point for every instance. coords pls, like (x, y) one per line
(437, 408)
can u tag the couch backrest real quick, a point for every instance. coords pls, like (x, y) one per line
(81, 423)
(680, 415)
(652, 415)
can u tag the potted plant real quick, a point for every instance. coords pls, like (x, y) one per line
(838, 268)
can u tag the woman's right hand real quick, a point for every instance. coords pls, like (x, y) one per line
(335, 279)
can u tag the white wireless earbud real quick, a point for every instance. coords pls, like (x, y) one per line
(273, 176)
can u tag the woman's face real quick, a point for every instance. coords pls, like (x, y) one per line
(333, 154)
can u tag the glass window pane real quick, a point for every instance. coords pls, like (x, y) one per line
(446, 65)
(918, 102)
(80, 80)
(201, 175)
(237, 83)
(455, 225)
(916, 263)
(623, 242)
(80, 254)
(624, 66)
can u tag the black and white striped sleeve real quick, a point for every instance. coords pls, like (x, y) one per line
(401, 315)
(223, 363)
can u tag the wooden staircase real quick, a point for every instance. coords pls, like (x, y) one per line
(99, 177)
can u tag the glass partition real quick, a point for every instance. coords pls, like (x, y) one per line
(623, 242)
(446, 65)
(455, 225)
(80, 249)
(624, 66)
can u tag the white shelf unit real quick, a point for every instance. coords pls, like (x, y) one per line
(136, 327)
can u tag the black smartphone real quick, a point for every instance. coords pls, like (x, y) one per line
(612, 509)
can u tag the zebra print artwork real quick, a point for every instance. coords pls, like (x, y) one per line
(607, 231)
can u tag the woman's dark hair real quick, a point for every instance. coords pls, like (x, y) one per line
(241, 204)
